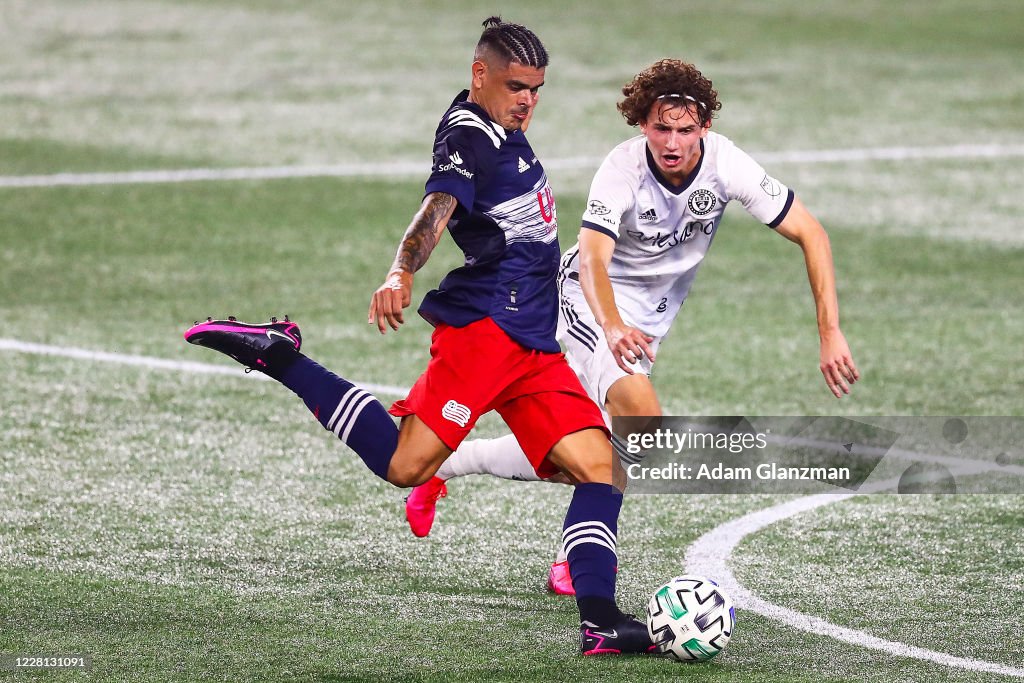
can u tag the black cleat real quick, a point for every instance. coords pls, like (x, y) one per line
(627, 637)
(248, 343)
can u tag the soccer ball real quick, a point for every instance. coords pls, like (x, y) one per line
(690, 618)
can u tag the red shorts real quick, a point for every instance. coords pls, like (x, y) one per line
(479, 368)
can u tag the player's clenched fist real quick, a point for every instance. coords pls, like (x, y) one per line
(389, 300)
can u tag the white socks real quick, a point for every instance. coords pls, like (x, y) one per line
(501, 457)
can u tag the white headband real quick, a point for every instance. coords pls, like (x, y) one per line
(676, 96)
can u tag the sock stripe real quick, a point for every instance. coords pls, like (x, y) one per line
(344, 406)
(621, 450)
(599, 536)
(590, 539)
(357, 395)
(345, 398)
(367, 399)
(596, 527)
(349, 412)
(593, 530)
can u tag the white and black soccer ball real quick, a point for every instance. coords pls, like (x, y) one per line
(690, 619)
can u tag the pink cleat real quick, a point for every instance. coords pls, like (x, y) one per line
(559, 580)
(421, 504)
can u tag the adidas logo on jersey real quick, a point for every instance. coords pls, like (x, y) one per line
(649, 215)
(523, 166)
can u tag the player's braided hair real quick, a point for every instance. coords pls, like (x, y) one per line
(511, 43)
(674, 81)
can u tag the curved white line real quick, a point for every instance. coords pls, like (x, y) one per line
(710, 554)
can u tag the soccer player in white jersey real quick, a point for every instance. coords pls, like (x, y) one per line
(655, 205)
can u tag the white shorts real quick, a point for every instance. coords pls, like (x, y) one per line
(587, 350)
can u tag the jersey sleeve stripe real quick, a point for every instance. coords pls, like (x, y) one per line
(599, 228)
(464, 114)
(466, 118)
(785, 210)
(477, 124)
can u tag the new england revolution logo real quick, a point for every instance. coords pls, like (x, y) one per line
(701, 202)
(456, 412)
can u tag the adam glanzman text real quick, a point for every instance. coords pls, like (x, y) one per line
(736, 442)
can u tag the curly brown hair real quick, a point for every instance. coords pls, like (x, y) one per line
(674, 81)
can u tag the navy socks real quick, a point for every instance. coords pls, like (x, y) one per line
(589, 539)
(353, 415)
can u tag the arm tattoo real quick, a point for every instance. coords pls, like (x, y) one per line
(422, 234)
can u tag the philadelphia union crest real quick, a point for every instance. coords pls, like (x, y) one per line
(702, 202)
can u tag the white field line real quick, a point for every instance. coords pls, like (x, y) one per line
(710, 556)
(163, 364)
(417, 168)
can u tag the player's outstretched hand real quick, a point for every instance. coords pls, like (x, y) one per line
(628, 345)
(389, 300)
(837, 364)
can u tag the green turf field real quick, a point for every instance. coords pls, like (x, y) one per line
(193, 527)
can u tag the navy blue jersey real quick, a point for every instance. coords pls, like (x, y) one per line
(505, 225)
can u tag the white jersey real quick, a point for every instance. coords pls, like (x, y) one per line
(662, 232)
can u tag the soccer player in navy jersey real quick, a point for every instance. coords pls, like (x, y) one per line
(654, 208)
(493, 346)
